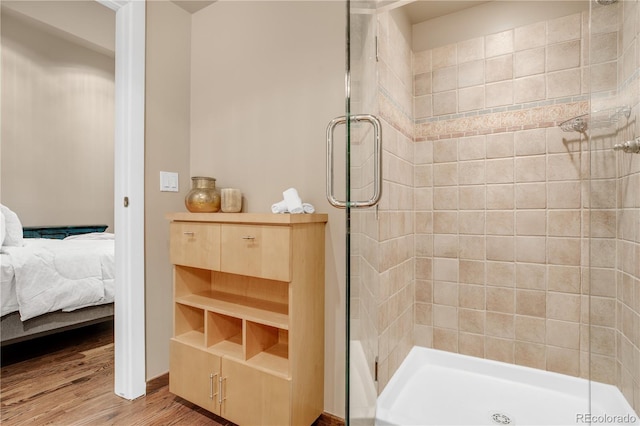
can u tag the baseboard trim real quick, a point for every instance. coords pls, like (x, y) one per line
(327, 419)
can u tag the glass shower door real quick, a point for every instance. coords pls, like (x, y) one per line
(363, 277)
(360, 166)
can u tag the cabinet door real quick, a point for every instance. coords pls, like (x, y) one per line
(257, 251)
(194, 375)
(195, 244)
(253, 397)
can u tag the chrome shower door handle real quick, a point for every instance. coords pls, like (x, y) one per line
(377, 161)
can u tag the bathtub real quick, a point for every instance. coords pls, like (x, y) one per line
(434, 387)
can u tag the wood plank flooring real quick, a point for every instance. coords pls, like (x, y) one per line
(67, 379)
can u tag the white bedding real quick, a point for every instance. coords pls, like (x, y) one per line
(46, 275)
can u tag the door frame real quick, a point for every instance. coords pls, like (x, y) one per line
(129, 322)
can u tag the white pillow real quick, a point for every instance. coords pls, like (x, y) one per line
(12, 228)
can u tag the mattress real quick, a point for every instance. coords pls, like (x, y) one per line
(46, 275)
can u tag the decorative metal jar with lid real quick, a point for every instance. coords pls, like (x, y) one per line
(203, 197)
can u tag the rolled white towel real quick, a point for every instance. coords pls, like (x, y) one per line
(293, 201)
(308, 208)
(279, 207)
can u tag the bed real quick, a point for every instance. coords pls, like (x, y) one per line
(59, 280)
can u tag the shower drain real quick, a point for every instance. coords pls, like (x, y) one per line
(501, 419)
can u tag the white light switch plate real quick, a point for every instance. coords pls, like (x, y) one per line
(169, 182)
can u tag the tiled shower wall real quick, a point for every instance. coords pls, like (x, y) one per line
(501, 189)
(483, 230)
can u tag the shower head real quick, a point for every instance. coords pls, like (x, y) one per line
(606, 2)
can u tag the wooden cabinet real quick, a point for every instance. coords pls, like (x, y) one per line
(248, 339)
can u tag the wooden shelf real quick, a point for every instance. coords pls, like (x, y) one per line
(231, 347)
(256, 310)
(273, 360)
(193, 338)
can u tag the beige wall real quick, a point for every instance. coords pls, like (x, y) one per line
(166, 149)
(267, 77)
(84, 22)
(57, 128)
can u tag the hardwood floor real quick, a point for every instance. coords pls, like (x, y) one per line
(67, 379)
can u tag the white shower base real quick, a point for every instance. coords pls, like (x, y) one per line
(434, 387)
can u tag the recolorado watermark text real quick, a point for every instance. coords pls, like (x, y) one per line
(603, 419)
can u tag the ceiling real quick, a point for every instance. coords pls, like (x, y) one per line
(417, 11)
(424, 10)
(192, 6)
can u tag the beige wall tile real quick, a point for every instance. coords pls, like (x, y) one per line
(531, 276)
(499, 68)
(529, 62)
(445, 269)
(445, 174)
(500, 222)
(500, 197)
(445, 150)
(445, 198)
(499, 44)
(564, 361)
(531, 222)
(500, 299)
(531, 196)
(471, 197)
(501, 274)
(499, 170)
(566, 279)
(499, 349)
(471, 50)
(422, 84)
(472, 272)
(530, 36)
(445, 222)
(499, 94)
(444, 56)
(500, 248)
(531, 249)
(471, 296)
(471, 222)
(445, 103)
(500, 145)
(564, 28)
(472, 247)
(564, 83)
(471, 344)
(445, 293)
(531, 169)
(423, 106)
(564, 223)
(530, 329)
(444, 339)
(530, 355)
(471, 73)
(564, 195)
(445, 79)
(529, 89)
(563, 251)
(531, 303)
(530, 142)
(563, 306)
(472, 148)
(471, 98)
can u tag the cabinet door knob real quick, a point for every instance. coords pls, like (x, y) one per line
(190, 233)
(248, 237)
